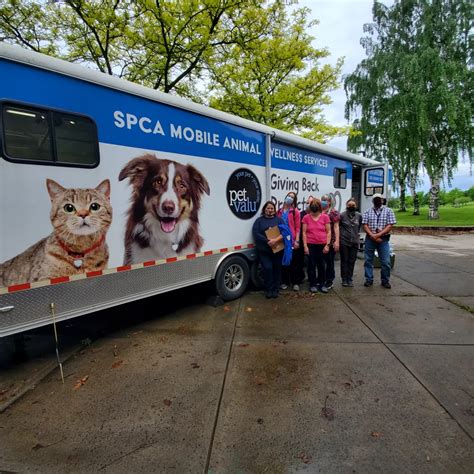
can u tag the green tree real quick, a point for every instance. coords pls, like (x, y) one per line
(277, 79)
(248, 57)
(412, 95)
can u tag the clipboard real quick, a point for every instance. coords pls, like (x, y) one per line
(272, 233)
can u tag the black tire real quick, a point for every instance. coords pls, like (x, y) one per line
(232, 278)
(256, 276)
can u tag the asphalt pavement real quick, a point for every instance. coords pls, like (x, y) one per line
(359, 380)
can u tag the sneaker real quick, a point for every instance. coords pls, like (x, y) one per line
(268, 294)
(296, 287)
(283, 287)
(386, 284)
(350, 284)
(368, 283)
(345, 283)
(274, 294)
(329, 285)
(313, 289)
(323, 289)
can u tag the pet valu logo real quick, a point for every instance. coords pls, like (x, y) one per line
(244, 194)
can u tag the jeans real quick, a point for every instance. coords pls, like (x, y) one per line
(271, 264)
(348, 260)
(383, 249)
(316, 259)
(329, 262)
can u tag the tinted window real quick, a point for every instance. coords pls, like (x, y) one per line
(75, 139)
(27, 134)
(49, 137)
(340, 178)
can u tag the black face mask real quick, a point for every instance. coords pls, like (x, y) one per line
(314, 208)
(351, 210)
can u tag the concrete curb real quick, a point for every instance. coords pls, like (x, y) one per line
(432, 230)
(31, 383)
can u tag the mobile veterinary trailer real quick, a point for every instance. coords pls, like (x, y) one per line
(111, 192)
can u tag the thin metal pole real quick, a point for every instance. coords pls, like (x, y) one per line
(53, 315)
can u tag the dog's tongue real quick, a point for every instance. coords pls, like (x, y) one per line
(168, 225)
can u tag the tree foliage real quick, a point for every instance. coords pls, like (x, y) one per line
(277, 79)
(412, 96)
(248, 57)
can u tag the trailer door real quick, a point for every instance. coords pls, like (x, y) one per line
(374, 180)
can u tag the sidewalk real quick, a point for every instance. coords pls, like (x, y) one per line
(359, 380)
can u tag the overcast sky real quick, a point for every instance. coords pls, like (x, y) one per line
(339, 30)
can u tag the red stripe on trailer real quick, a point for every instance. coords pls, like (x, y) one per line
(171, 259)
(94, 274)
(208, 252)
(250, 246)
(124, 268)
(190, 256)
(150, 263)
(237, 247)
(63, 279)
(23, 286)
(224, 250)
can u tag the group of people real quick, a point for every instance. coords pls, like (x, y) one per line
(319, 232)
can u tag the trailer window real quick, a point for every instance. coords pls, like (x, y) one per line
(50, 137)
(340, 178)
(27, 135)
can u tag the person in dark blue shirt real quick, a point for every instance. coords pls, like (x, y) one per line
(271, 262)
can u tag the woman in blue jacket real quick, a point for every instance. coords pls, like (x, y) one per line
(271, 262)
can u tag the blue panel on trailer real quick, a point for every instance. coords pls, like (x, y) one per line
(302, 160)
(127, 120)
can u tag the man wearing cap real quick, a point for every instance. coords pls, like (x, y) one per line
(378, 222)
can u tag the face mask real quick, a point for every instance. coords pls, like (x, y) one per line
(325, 204)
(377, 202)
(314, 208)
(288, 200)
(351, 209)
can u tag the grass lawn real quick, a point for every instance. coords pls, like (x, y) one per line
(448, 216)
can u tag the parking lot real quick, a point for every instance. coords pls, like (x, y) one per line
(359, 380)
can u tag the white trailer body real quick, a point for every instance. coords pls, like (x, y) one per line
(65, 124)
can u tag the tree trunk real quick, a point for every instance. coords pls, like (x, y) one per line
(433, 213)
(416, 201)
(403, 206)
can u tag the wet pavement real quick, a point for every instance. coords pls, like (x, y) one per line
(359, 380)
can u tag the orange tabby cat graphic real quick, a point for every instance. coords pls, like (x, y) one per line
(80, 219)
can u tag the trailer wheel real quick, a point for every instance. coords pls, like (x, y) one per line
(256, 275)
(232, 278)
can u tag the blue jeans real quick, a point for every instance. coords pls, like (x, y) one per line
(383, 249)
(271, 264)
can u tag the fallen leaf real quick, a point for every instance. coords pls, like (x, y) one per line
(115, 351)
(283, 341)
(226, 309)
(37, 446)
(376, 434)
(81, 382)
(167, 402)
(4, 391)
(306, 458)
(340, 321)
(116, 364)
(248, 309)
(243, 344)
(195, 366)
(260, 421)
(163, 338)
(259, 380)
(328, 413)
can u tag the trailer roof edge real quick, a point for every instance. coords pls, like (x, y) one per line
(18, 54)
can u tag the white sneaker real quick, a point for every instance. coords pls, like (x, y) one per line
(283, 286)
(296, 287)
(313, 289)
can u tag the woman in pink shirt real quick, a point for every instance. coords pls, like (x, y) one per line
(289, 213)
(316, 240)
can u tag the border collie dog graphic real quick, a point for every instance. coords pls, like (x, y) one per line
(163, 219)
